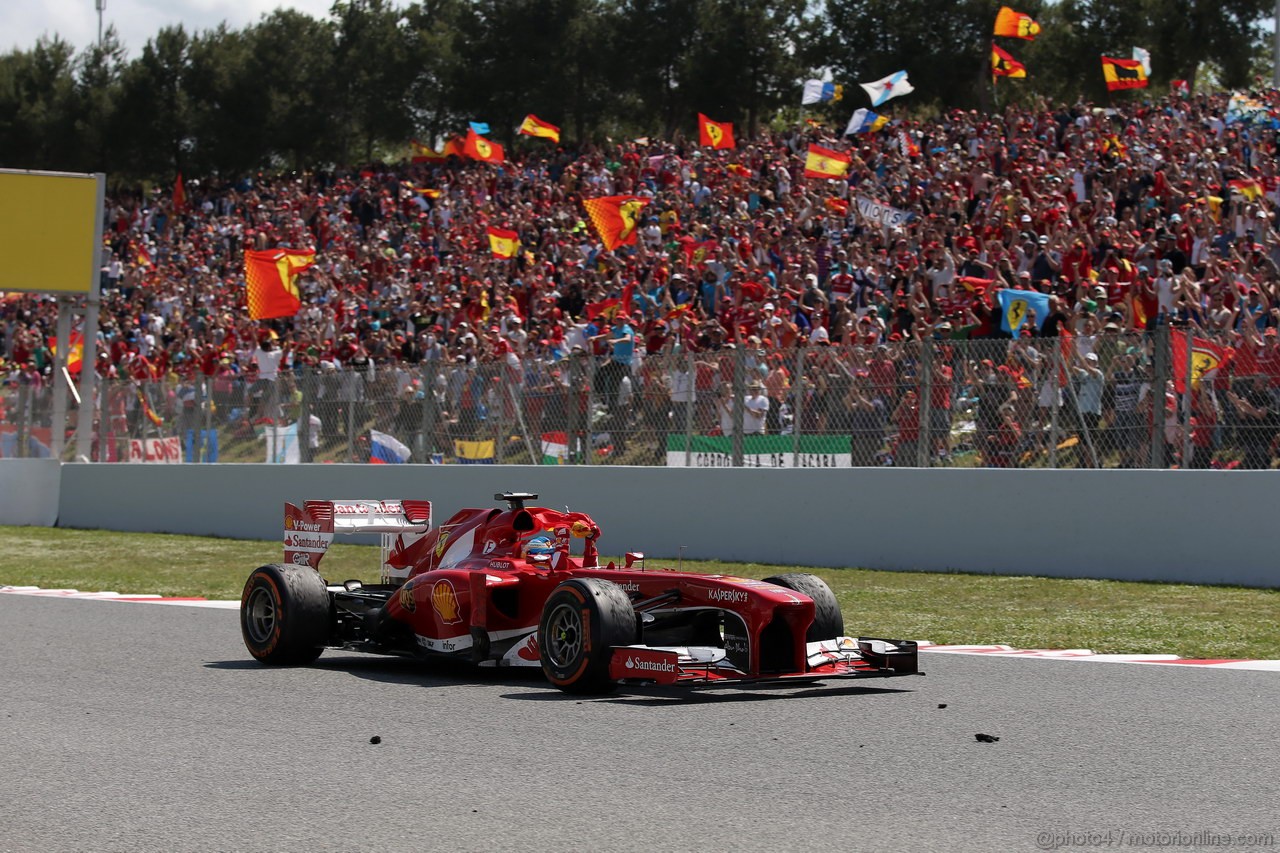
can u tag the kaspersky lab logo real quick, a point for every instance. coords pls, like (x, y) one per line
(650, 665)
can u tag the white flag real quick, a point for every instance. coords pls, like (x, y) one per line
(889, 87)
(1143, 56)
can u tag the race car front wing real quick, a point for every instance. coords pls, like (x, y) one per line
(708, 666)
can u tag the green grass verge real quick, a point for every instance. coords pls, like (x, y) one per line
(1028, 612)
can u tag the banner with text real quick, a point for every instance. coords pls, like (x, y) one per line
(887, 216)
(760, 451)
(155, 450)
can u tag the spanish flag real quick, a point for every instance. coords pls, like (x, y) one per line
(424, 153)
(75, 353)
(478, 148)
(456, 147)
(1015, 25)
(616, 218)
(1004, 65)
(1123, 74)
(1248, 187)
(825, 163)
(534, 126)
(271, 281)
(715, 134)
(503, 243)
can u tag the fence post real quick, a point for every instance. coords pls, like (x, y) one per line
(924, 447)
(306, 378)
(197, 438)
(24, 424)
(1160, 378)
(797, 394)
(738, 388)
(428, 443)
(689, 406)
(1187, 448)
(1057, 399)
(105, 433)
(588, 451)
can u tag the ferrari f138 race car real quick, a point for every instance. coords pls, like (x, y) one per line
(502, 587)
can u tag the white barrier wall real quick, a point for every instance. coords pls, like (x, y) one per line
(1189, 526)
(29, 491)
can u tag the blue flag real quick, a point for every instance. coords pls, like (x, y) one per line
(480, 127)
(865, 121)
(1014, 305)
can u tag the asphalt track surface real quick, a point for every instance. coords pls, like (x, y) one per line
(148, 728)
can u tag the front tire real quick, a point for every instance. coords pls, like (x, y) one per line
(582, 621)
(828, 621)
(284, 614)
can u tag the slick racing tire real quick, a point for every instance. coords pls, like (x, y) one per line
(828, 621)
(582, 621)
(284, 614)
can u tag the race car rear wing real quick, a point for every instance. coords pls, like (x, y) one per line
(309, 531)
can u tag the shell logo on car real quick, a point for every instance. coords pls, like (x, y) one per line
(444, 598)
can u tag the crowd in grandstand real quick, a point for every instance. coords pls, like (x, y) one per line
(1131, 219)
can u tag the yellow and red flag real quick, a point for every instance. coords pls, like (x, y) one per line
(1123, 74)
(1247, 187)
(616, 218)
(1015, 25)
(503, 243)
(271, 281)
(146, 408)
(456, 147)
(715, 134)
(425, 153)
(144, 256)
(1004, 65)
(534, 126)
(179, 195)
(75, 353)
(1206, 357)
(486, 151)
(825, 163)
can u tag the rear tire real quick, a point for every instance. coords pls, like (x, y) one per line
(828, 621)
(582, 621)
(284, 614)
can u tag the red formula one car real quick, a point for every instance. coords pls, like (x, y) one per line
(501, 587)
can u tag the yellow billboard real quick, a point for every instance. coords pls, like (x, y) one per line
(50, 231)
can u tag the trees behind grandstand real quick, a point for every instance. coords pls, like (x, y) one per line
(291, 91)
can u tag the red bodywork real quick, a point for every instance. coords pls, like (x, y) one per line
(470, 590)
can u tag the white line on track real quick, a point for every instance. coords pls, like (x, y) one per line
(925, 645)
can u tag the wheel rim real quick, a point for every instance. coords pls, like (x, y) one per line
(564, 635)
(260, 615)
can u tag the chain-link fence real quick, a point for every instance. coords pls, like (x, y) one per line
(1103, 401)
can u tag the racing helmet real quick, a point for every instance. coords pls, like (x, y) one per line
(538, 549)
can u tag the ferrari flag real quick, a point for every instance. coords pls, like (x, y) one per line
(1123, 74)
(503, 243)
(1015, 25)
(478, 148)
(271, 281)
(824, 163)
(616, 218)
(1206, 357)
(1016, 304)
(715, 134)
(534, 126)
(1004, 65)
